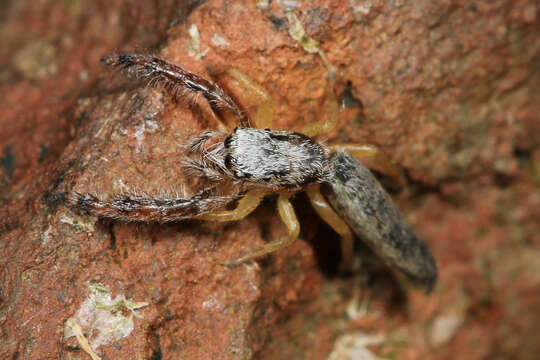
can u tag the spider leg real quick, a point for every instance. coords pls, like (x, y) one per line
(367, 150)
(173, 77)
(286, 212)
(245, 207)
(326, 213)
(265, 112)
(332, 114)
(324, 127)
(131, 207)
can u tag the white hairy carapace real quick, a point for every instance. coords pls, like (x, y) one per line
(276, 159)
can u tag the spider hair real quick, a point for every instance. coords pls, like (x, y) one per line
(176, 80)
(143, 208)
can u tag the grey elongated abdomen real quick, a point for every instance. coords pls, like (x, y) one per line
(365, 206)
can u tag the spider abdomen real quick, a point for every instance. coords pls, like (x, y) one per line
(275, 158)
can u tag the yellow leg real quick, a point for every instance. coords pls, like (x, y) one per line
(286, 212)
(359, 151)
(245, 207)
(326, 213)
(265, 112)
(332, 112)
(332, 71)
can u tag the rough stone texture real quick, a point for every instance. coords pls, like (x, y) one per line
(449, 90)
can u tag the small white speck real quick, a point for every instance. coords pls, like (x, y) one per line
(262, 4)
(46, 236)
(444, 328)
(363, 8)
(151, 125)
(219, 40)
(194, 44)
(119, 183)
(139, 133)
(289, 5)
(253, 286)
(355, 347)
(212, 303)
(83, 75)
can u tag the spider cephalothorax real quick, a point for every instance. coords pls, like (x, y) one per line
(257, 161)
(259, 157)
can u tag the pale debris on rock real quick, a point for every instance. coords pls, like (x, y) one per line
(355, 347)
(309, 44)
(289, 5)
(219, 40)
(361, 7)
(297, 32)
(444, 328)
(81, 222)
(194, 44)
(102, 318)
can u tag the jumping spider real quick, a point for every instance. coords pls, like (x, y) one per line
(257, 161)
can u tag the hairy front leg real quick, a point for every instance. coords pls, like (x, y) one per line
(286, 212)
(145, 208)
(178, 81)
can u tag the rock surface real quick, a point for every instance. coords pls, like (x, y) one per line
(449, 90)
